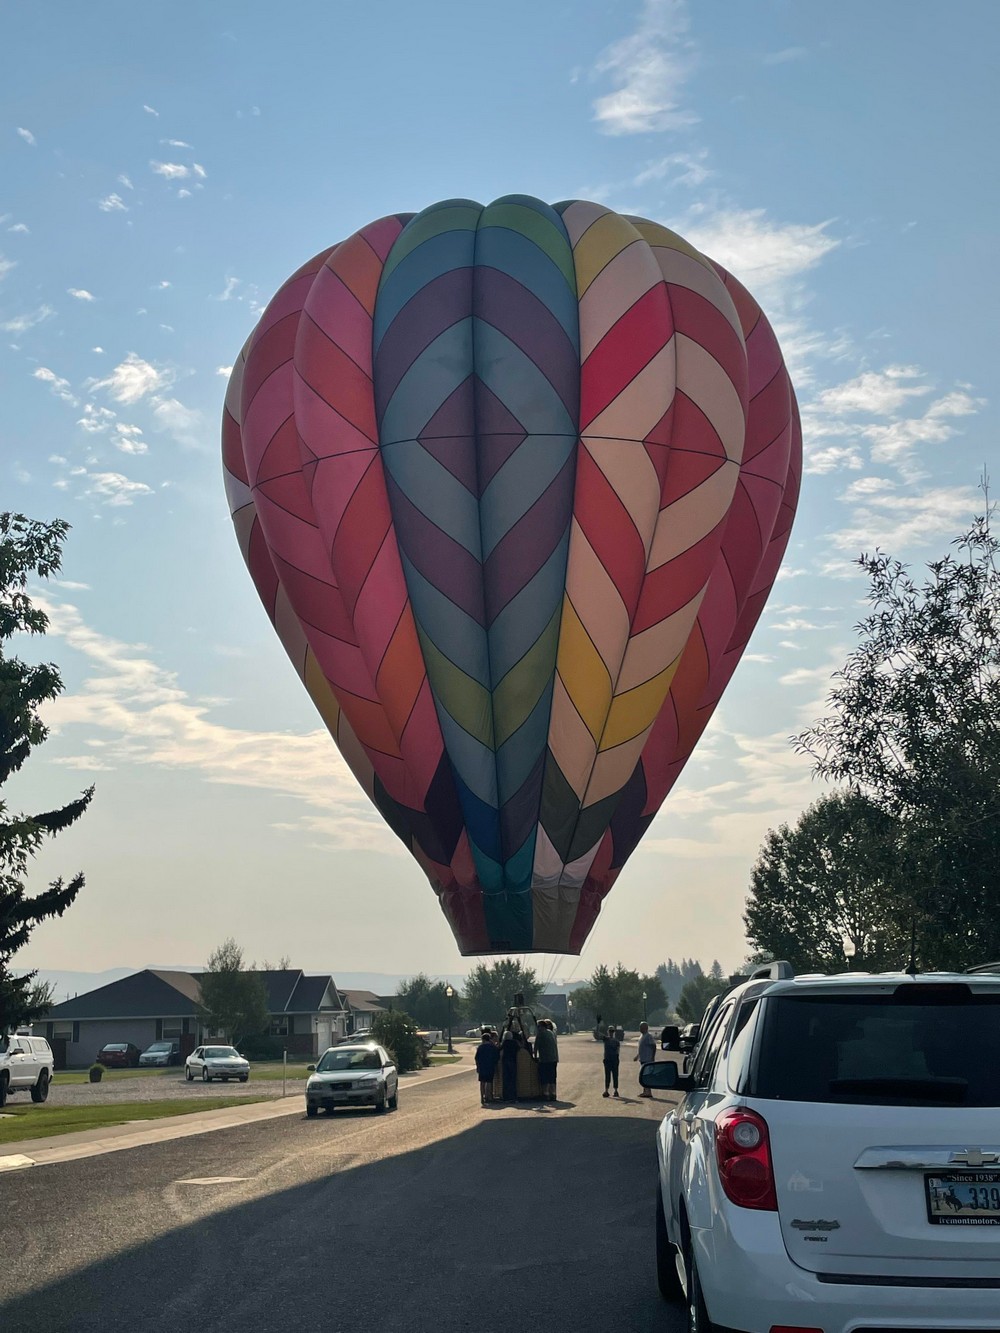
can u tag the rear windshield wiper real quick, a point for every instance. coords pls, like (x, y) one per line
(947, 1091)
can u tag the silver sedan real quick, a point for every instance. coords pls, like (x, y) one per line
(208, 1062)
(353, 1075)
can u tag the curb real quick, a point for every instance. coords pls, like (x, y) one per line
(73, 1147)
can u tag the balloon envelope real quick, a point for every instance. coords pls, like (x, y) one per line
(513, 483)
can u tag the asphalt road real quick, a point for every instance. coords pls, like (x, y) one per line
(439, 1217)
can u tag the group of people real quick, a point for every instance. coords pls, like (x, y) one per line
(498, 1055)
(503, 1053)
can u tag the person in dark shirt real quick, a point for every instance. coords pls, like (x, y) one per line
(612, 1053)
(487, 1059)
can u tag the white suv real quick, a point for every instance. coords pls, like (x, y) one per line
(26, 1064)
(834, 1165)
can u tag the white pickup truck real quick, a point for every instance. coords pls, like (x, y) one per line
(26, 1065)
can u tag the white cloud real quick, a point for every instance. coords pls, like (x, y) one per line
(224, 370)
(875, 393)
(98, 350)
(128, 439)
(160, 286)
(132, 711)
(183, 423)
(21, 229)
(112, 203)
(183, 194)
(5, 266)
(79, 293)
(648, 69)
(132, 379)
(228, 291)
(761, 253)
(199, 170)
(176, 143)
(95, 419)
(898, 518)
(676, 169)
(27, 136)
(125, 180)
(59, 386)
(150, 111)
(21, 323)
(784, 56)
(115, 490)
(171, 171)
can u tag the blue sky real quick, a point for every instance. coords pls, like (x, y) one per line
(166, 166)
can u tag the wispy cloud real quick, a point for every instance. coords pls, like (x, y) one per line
(787, 54)
(898, 518)
(59, 386)
(5, 266)
(184, 424)
(112, 203)
(648, 69)
(126, 181)
(150, 111)
(132, 711)
(176, 143)
(27, 136)
(676, 169)
(133, 379)
(21, 323)
(80, 293)
(20, 228)
(171, 171)
(229, 290)
(115, 490)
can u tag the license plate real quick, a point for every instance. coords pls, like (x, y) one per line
(964, 1198)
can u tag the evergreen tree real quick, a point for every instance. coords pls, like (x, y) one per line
(26, 548)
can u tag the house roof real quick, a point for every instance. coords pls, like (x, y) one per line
(363, 1001)
(164, 994)
(144, 994)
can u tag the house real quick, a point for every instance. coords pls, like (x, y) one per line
(152, 1005)
(362, 1006)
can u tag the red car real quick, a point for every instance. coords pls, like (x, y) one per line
(118, 1055)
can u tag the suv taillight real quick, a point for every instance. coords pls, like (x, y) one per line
(744, 1156)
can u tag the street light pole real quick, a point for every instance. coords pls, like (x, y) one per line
(644, 1006)
(569, 1015)
(449, 990)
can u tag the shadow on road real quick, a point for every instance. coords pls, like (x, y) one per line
(547, 1219)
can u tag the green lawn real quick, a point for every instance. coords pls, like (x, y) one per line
(444, 1059)
(42, 1122)
(65, 1076)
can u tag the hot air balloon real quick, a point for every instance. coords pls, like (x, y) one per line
(513, 483)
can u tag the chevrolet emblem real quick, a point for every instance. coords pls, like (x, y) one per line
(974, 1157)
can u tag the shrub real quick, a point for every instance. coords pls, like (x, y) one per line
(397, 1032)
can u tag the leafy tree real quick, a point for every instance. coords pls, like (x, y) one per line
(824, 891)
(490, 989)
(233, 997)
(26, 548)
(695, 997)
(397, 1032)
(616, 994)
(427, 1001)
(914, 724)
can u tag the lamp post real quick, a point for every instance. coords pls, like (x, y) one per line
(644, 1006)
(449, 990)
(569, 1015)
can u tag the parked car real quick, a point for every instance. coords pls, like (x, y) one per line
(352, 1075)
(208, 1062)
(161, 1053)
(118, 1055)
(835, 1160)
(26, 1065)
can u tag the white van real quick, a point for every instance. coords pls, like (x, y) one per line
(26, 1065)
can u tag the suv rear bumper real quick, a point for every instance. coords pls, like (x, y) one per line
(751, 1284)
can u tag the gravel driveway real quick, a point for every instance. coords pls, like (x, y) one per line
(157, 1088)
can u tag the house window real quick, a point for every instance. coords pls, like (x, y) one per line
(279, 1025)
(66, 1031)
(171, 1028)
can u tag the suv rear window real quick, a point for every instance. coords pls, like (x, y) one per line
(917, 1046)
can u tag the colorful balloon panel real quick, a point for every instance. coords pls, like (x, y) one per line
(513, 483)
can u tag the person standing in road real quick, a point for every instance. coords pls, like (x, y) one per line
(612, 1052)
(487, 1059)
(646, 1053)
(547, 1053)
